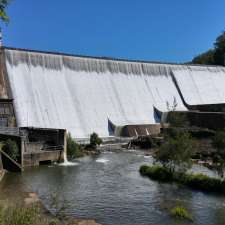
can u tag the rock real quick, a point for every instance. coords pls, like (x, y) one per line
(31, 199)
(83, 222)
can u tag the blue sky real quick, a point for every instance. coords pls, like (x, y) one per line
(159, 30)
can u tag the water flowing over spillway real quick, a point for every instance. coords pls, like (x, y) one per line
(201, 85)
(81, 94)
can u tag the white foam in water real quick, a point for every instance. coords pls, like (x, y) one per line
(102, 160)
(131, 150)
(66, 162)
(69, 164)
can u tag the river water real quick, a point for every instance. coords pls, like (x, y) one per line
(109, 189)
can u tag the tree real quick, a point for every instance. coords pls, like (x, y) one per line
(73, 148)
(3, 15)
(176, 119)
(95, 140)
(205, 58)
(220, 49)
(219, 159)
(176, 151)
(213, 56)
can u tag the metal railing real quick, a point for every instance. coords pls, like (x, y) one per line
(10, 131)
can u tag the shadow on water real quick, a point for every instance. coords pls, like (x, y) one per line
(110, 189)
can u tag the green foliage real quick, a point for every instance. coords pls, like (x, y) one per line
(203, 182)
(219, 142)
(11, 148)
(176, 151)
(23, 216)
(73, 149)
(180, 212)
(213, 56)
(95, 140)
(177, 119)
(144, 170)
(196, 181)
(205, 58)
(220, 49)
(219, 159)
(3, 5)
(156, 173)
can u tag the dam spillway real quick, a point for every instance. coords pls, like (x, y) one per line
(82, 94)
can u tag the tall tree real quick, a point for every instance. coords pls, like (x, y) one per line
(176, 151)
(213, 56)
(205, 58)
(3, 15)
(220, 49)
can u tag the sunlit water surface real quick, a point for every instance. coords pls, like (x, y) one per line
(109, 188)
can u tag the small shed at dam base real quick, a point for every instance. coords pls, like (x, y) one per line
(36, 146)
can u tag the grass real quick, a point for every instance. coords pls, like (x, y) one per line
(180, 212)
(24, 216)
(196, 181)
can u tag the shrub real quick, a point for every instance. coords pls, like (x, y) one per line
(203, 182)
(219, 159)
(180, 212)
(95, 140)
(161, 173)
(73, 149)
(11, 148)
(143, 170)
(156, 173)
(176, 151)
(177, 119)
(196, 181)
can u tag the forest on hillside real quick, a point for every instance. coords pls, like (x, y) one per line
(214, 56)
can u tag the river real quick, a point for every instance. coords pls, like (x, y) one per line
(109, 189)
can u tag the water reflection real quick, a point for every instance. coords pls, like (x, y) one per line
(110, 189)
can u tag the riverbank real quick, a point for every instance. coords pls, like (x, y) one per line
(28, 207)
(108, 187)
(196, 181)
(32, 211)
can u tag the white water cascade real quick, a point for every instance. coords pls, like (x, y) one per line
(95, 90)
(66, 162)
(91, 90)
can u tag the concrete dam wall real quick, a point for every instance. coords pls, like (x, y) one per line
(201, 85)
(82, 94)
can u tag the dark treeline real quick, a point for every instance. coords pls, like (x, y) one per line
(214, 56)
